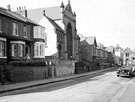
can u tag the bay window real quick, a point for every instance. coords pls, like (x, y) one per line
(39, 50)
(39, 32)
(17, 48)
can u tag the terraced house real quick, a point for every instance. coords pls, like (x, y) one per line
(93, 53)
(18, 37)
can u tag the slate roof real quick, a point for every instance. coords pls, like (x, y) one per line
(16, 16)
(127, 50)
(110, 49)
(91, 40)
(100, 46)
(87, 40)
(82, 38)
(37, 14)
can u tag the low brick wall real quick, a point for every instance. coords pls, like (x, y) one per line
(103, 66)
(22, 74)
(65, 68)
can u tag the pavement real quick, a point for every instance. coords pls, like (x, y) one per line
(17, 86)
(129, 93)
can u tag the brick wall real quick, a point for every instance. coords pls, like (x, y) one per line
(65, 68)
(23, 74)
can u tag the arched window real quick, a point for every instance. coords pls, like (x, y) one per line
(69, 41)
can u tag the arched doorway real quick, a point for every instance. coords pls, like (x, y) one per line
(126, 61)
(69, 41)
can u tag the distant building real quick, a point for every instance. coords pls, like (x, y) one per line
(100, 46)
(88, 49)
(62, 40)
(128, 56)
(95, 54)
(111, 49)
(118, 55)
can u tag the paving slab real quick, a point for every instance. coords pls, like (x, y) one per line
(129, 94)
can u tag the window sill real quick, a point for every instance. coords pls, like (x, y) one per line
(15, 35)
(2, 57)
(39, 56)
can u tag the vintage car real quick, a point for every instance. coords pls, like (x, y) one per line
(124, 71)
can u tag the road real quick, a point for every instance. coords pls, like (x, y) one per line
(106, 87)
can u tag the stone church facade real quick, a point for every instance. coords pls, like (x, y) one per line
(70, 33)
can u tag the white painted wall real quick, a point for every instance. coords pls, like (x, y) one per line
(51, 37)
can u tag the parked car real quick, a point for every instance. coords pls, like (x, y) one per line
(124, 71)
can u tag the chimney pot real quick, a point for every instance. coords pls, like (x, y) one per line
(44, 13)
(19, 8)
(8, 7)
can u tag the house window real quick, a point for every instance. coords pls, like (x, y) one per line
(20, 50)
(35, 32)
(14, 50)
(127, 54)
(15, 28)
(17, 48)
(42, 50)
(2, 48)
(25, 31)
(39, 50)
(36, 49)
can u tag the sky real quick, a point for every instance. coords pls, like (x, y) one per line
(112, 22)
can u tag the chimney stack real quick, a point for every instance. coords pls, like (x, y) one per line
(44, 13)
(8, 7)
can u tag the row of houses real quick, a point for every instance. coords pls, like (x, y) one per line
(93, 52)
(18, 37)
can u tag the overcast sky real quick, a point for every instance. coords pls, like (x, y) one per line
(110, 21)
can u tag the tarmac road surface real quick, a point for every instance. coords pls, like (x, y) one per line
(106, 87)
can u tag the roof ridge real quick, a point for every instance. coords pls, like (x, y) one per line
(43, 8)
(54, 24)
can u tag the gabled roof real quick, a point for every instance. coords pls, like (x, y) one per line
(88, 40)
(91, 40)
(99, 45)
(15, 16)
(127, 50)
(82, 38)
(110, 49)
(57, 27)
